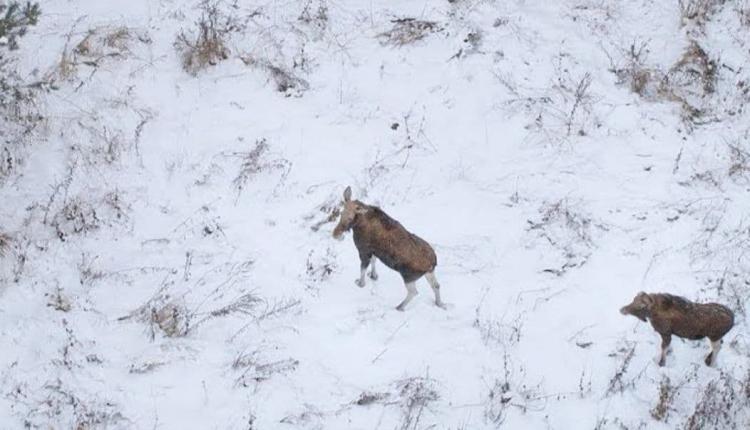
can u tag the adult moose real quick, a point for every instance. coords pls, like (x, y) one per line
(377, 235)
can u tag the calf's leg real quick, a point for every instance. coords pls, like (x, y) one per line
(715, 347)
(435, 285)
(364, 262)
(411, 291)
(665, 341)
(373, 273)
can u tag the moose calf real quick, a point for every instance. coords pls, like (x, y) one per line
(674, 315)
(378, 235)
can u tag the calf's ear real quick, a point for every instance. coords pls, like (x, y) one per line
(347, 194)
(648, 299)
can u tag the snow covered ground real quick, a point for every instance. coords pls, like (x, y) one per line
(172, 264)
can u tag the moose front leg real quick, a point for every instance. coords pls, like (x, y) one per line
(666, 339)
(711, 357)
(364, 262)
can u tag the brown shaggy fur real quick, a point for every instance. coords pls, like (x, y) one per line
(674, 315)
(377, 234)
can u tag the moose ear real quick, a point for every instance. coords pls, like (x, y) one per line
(347, 194)
(646, 298)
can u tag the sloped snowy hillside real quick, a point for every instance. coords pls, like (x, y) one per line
(166, 258)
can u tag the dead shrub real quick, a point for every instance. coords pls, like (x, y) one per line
(256, 161)
(99, 45)
(206, 45)
(319, 267)
(694, 66)
(567, 230)
(412, 395)
(415, 395)
(636, 74)
(698, 11)
(58, 402)
(316, 17)
(5, 243)
(739, 161)
(498, 401)
(742, 8)
(58, 301)
(564, 110)
(617, 383)
(285, 79)
(82, 215)
(667, 393)
(720, 405)
(406, 31)
(254, 372)
(165, 314)
(173, 318)
(326, 213)
(689, 82)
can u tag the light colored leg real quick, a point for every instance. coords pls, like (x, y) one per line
(435, 285)
(373, 272)
(715, 347)
(411, 291)
(665, 341)
(361, 281)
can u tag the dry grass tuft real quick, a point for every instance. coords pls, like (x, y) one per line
(5, 243)
(406, 31)
(206, 45)
(698, 11)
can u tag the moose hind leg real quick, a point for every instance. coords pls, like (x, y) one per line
(373, 272)
(715, 347)
(666, 339)
(411, 291)
(435, 285)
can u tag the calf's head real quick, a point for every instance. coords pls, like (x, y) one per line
(640, 307)
(350, 213)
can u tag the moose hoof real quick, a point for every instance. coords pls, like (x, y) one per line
(708, 360)
(441, 305)
(662, 362)
(373, 276)
(360, 283)
(400, 308)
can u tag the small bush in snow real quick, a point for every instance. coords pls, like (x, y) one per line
(739, 167)
(406, 31)
(81, 215)
(206, 45)
(667, 393)
(413, 395)
(59, 405)
(286, 80)
(568, 230)
(698, 11)
(636, 74)
(5, 241)
(720, 406)
(316, 17)
(256, 161)
(15, 19)
(19, 115)
(98, 45)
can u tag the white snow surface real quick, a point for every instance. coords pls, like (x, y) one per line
(547, 216)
